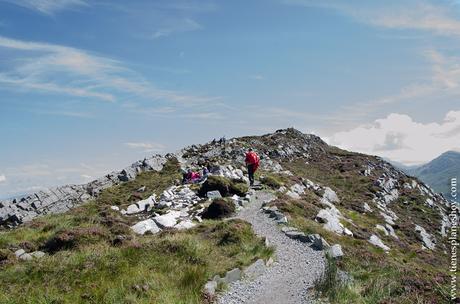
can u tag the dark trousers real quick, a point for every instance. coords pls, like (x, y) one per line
(251, 173)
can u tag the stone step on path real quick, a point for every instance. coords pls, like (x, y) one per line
(293, 273)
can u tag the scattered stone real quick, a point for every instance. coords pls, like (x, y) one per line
(270, 262)
(19, 252)
(367, 208)
(26, 257)
(38, 254)
(335, 251)
(330, 195)
(427, 239)
(132, 209)
(381, 228)
(376, 241)
(186, 224)
(167, 220)
(318, 243)
(297, 235)
(210, 287)
(145, 226)
(213, 194)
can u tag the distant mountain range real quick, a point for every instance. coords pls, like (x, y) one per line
(437, 173)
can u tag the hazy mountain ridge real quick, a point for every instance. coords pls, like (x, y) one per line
(438, 172)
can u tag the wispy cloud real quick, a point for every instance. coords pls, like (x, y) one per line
(177, 26)
(146, 146)
(65, 113)
(59, 69)
(418, 15)
(48, 7)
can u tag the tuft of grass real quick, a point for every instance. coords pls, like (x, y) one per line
(271, 181)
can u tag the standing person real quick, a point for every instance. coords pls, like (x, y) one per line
(252, 162)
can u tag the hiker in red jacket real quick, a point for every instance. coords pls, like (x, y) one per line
(252, 161)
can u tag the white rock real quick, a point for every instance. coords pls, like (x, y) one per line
(391, 231)
(293, 195)
(376, 241)
(38, 254)
(335, 251)
(186, 224)
(388, 219)
(391, 196)
(331, 219)
(367, 208)
(167, 220)
(146, 204)
(330, 195)
(26, 257)
(380, 227)
(426, 237)
(145, 226)
(429, 202)
(116, 208)
(19, 252)
(132, 209)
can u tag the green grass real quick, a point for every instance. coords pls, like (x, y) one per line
(274, 181)
(169, 267)
(406, 274)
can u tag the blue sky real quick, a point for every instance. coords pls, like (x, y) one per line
(87, 87)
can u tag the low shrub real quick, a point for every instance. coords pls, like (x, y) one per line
(218, 209)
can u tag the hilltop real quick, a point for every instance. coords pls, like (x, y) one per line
(138, 235)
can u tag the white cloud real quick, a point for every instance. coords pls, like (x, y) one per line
(400, 138)
(59, 69)
(2, 178)
(418, 15)
(146, 146)
(48, 6)
(177, 26)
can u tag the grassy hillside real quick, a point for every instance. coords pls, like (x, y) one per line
(93, 256)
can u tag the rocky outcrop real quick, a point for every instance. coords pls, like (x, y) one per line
(61, 199)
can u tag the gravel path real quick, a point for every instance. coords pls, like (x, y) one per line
(295, 269)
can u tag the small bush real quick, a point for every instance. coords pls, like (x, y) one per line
(71, 238)
(238, 187)
(225, 186)
(218, 209)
